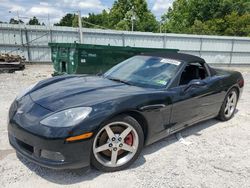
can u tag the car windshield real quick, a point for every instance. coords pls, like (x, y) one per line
(144, 71)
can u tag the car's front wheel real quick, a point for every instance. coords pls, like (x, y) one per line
(117, 144)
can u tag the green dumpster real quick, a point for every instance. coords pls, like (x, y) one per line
(74, 58)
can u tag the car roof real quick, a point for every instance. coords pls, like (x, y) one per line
(176, 56)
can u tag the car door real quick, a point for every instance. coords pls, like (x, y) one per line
(193, 102)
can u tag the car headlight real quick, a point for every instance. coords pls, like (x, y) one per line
(25, 91)
(67, 118)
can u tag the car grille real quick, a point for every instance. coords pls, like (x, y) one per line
(46, 154)
(28, 148)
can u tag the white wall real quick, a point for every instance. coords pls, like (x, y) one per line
(214, 49)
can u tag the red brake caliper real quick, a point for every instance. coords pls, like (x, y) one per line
(129, 139)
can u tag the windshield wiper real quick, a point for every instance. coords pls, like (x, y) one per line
(119, 80)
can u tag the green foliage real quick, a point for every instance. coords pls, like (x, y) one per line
(14, 21)
(120, 17)
(33, 21)
(208, 17)
(217, 17)
(95, 20)
(67, 20)
(124, 11)
(238, 25)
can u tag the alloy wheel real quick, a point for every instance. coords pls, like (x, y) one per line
(231, 102)
(115, 144)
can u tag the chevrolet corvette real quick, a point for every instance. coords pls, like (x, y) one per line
(74, 121)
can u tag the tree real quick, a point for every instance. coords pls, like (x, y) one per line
(97, 20)
(67, 20)
(208, 17)
(120, 17)
(34, 21)
(123, 11)
(14, 21)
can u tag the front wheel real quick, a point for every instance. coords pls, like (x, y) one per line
(229, 105)
(117, 144)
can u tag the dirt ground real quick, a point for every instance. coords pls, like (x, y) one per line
(212, 154)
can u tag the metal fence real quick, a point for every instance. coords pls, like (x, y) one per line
(32, 42)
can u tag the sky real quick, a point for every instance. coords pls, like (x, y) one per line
(50, 11)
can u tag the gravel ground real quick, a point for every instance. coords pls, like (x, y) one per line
(212, 154)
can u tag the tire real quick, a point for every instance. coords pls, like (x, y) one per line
(227, 111)
(122, 137)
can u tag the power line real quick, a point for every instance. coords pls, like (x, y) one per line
(94, 24)
(16, 49)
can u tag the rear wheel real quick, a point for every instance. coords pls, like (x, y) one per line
(229, 105)
(117, 144)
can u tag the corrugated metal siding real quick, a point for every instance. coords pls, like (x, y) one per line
(32, 42)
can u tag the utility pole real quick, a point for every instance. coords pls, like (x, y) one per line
(133, 17)
(108, 16)
(48, 19)
(80, 26)
(132, 29)
(161, 27)
(19, 23)
(20, 28)
(18, 17)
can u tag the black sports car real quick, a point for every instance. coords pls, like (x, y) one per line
(74, 121)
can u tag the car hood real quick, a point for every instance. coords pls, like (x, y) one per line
(71, 91)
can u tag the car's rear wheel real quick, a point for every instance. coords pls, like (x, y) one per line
(229, 105)
(117, 144)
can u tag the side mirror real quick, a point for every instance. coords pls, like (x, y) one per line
(99, 74)
(195, 83)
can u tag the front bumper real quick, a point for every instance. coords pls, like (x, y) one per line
(30, 146)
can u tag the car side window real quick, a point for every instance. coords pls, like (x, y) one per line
(193, 71)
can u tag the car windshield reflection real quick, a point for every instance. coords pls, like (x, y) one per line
(144, 71)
